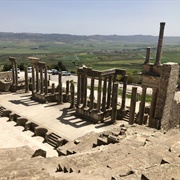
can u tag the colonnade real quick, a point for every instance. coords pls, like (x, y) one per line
(107, 92)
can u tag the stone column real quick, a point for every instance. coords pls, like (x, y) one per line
(67, 87)
(109, 92)
(153, 107)
(33, 78)
(85, 92)
(41, 80)
(37, 79)
(26, 80)
(46, 82)
(53, 89)
(13, 74)
(82, 88)
(60, 101)
(160, 41)
(16, 74)
(123, 104)
(114, 104)
(104, 95)
(142, 105)
(147, 55)
(92, 94)
(99, 95)
(133, 105)
(78, 90)
(72, 94)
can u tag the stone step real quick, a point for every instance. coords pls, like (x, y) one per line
(52, 143)
(55, 135)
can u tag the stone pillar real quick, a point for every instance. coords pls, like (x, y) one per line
(16, 74)
(124, 93)
(33, 79)
(142, 105)
(133, 105)
(67, 87)
(37, 79)
(114, 104)
(167, 88)
(78, 90)
(109, 92)
(41, 80)
(72, 95)
(13, 73)
(147, 60)
(60, 99)
(104, 95)
(85, 91)
(46, 82)
(160, 41)
(92, 94)
(99, 95)
(153, 106)
(53, 89)
(82, 88)
(26, 80)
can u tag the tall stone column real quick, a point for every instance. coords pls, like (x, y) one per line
(104, 95)
(99, 94)
(85, 92)
(142, 105)
(153, 106)
(92, 94)
(16, 73)
(60, 88)
(67, 87)
(37, 79)
(53, 89)
(46, 82)
(160, 41)
(109, 92)
(147, 55)
(33, 78)
(124, 93)
(26, 80)
(78, 91)
(41, 80)
(133, 105)
(114, 104)
(72, 94)
(82, 88)
(13, 73)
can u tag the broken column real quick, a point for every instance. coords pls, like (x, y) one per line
(104, 95)
(99, 95)
(60, 99)
(72, 95)
(147, 60)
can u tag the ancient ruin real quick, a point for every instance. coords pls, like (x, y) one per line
(90, 125)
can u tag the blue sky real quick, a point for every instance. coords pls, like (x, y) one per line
(89, 17)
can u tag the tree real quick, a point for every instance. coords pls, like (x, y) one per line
(7, 67)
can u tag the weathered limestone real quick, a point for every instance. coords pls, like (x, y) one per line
(14, 73)
(105, 105)
(159, 46)
(148, 50)
(133, 105)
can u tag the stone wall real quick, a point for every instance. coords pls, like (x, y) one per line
(5, 75)
(167, 87)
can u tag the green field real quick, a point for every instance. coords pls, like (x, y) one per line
(98, 55)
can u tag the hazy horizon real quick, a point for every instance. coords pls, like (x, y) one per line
(85, 17)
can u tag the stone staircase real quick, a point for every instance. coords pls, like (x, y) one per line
(55, 140)
(126, 117)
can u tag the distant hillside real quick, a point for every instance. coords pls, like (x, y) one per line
(67, 38)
